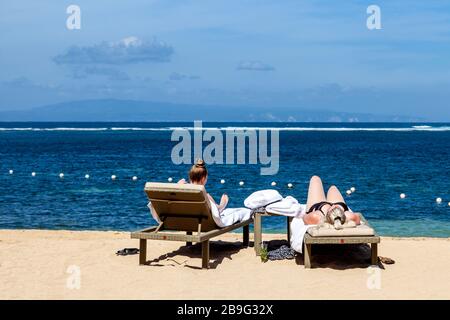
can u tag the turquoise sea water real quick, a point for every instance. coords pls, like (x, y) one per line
(380, 160)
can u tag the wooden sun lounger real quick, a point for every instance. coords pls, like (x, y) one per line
(184, 211)
(373, 239)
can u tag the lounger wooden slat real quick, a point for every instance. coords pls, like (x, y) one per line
(185, 216)
(150, 234)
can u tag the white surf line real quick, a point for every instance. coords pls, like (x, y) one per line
(234, 128)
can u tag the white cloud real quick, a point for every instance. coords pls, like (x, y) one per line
(126, 51)
(254, 66)
(175, 76)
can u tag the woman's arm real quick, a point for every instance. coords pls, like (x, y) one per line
(223, 202)
(353, 216)
(315, 217)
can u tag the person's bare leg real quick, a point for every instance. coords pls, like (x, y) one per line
(315, 194)
(334, 195)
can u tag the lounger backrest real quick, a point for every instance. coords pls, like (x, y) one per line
(181, 206)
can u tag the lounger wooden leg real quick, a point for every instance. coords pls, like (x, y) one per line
(307, 255)
(205, 254)
(374, 255)
(245, 235)
(189, 233)
(289, 229)
(142, 251)
(257, 234)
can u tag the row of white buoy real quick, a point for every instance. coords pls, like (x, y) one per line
(87, 176)
(402, 195)
(170, 179)
(438, 200)
(241, 183)
(273, 183)
(350, 191)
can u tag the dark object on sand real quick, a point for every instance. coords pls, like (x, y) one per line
(386, 260)
(127, 251)
(283, 252)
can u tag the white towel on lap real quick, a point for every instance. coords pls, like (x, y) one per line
(229, 216)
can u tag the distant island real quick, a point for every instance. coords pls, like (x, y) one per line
(112, 110)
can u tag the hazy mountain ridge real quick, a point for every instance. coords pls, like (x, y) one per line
(111, 110)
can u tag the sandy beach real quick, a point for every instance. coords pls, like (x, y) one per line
(43, 264)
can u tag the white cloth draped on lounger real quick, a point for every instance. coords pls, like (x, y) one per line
(222, 219)
(298, 231)
(274, 203)
(288, 207)
(262, 198)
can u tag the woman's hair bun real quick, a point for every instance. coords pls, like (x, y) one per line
(200, 163)
(198, 171)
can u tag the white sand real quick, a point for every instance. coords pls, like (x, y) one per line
(34, 265)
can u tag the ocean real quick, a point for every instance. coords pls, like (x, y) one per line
(381, 160)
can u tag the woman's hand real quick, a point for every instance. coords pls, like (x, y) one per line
(224, 199)
(182, 181)
(353, 216)
(223, 202)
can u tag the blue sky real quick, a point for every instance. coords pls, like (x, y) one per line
(310, 54)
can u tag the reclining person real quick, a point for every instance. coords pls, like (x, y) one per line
(199, 175)
(318, 205)
(222, 216)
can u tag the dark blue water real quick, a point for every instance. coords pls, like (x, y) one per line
(380, 160)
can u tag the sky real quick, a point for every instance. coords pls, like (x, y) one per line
(305, 54)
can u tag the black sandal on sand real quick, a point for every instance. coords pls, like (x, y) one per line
(127, 251)
(386, 260)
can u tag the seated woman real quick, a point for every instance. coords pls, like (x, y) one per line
(318, 204)
(199, 175)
